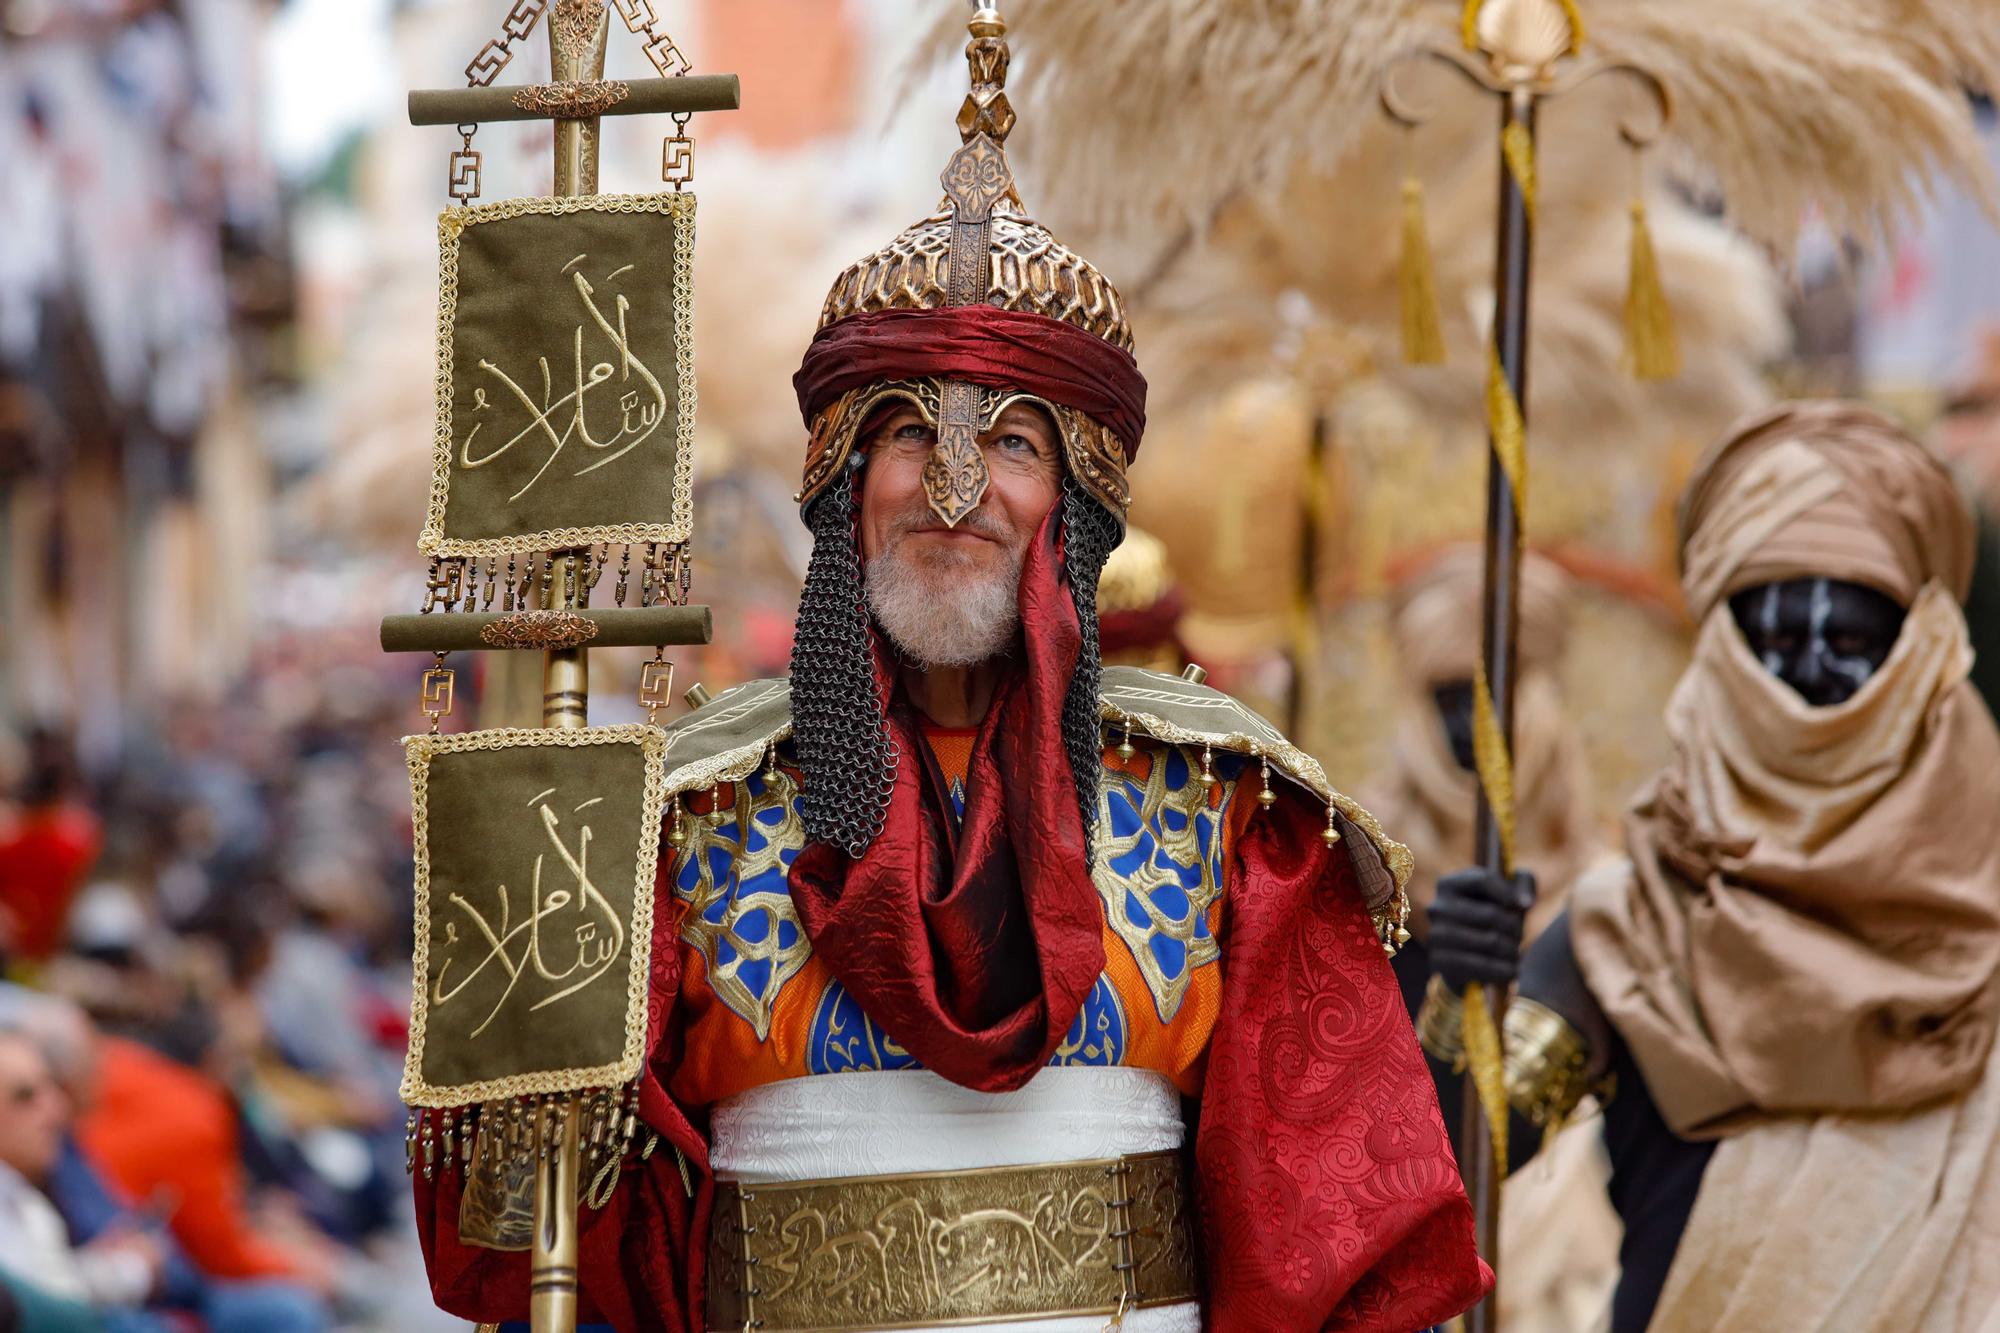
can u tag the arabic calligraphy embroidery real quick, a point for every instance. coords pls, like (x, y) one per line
(521, 949)
(642, 404)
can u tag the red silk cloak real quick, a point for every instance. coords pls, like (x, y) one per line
(1327, 1191)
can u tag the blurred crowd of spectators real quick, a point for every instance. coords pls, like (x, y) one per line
(206, 952)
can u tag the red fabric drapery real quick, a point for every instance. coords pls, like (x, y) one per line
(1328, 1193)
(975, 946)
(1001, 349)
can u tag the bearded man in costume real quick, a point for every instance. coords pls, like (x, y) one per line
(939, 971)
(1793, 978)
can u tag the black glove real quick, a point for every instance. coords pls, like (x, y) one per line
(1475, 926)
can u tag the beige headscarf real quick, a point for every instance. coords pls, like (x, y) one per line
(1814, 923)
(1807, 935)
(1425, 797)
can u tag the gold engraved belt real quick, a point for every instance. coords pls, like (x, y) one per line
(1093, 1237)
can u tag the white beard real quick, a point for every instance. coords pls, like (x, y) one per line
(943, 612)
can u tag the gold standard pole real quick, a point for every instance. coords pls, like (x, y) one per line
(1515, 49)
(577, 33)
(1500, 624)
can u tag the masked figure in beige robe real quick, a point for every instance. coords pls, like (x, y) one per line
(1434, 625)
(1794, 974)
(1559, 1237)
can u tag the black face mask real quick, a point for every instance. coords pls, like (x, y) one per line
(1822, 637)
(1454, 705)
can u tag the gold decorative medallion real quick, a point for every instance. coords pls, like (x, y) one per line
(539, 629)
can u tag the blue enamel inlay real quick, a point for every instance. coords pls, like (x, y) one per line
(748, 931)
(1161, 880)
(843, 1040)
(1099, 1034)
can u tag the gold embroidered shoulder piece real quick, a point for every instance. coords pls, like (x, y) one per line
(1174, 709)
(728, 737)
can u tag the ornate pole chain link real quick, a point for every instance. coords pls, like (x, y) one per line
(677, 150)
(463, 182)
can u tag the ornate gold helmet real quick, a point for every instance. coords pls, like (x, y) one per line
(973, 308)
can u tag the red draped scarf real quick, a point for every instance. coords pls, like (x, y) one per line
(975, 947)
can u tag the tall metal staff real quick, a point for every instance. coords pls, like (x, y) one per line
(1522, 53)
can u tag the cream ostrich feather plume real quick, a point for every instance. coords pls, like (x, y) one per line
(1262, 298)
(1152, 111)
(1237, 309)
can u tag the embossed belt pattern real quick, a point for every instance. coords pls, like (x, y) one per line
(952, 1247)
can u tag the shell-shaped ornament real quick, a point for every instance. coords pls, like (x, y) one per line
(1524, 38)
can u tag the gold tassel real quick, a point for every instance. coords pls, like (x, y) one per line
(1649, 322)
(1423, 331)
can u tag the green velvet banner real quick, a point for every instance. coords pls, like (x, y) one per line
(535, 855)
(565, 390)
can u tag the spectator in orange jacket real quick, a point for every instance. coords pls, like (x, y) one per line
(159, 1129)
(48, 843)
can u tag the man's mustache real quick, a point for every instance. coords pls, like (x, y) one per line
(980, 520)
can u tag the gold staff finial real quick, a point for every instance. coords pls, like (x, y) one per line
(1523, 38)
(986, 109)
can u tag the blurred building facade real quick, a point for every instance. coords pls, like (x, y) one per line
(145, 290)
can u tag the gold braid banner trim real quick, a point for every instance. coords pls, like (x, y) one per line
(1483, 1061)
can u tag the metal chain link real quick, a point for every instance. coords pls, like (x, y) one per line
(840, 732)
(677, 150)
(462, 182)
(1090, 532)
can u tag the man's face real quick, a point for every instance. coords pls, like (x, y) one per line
(947, 596)
(33, 1111)
(1822, 637)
